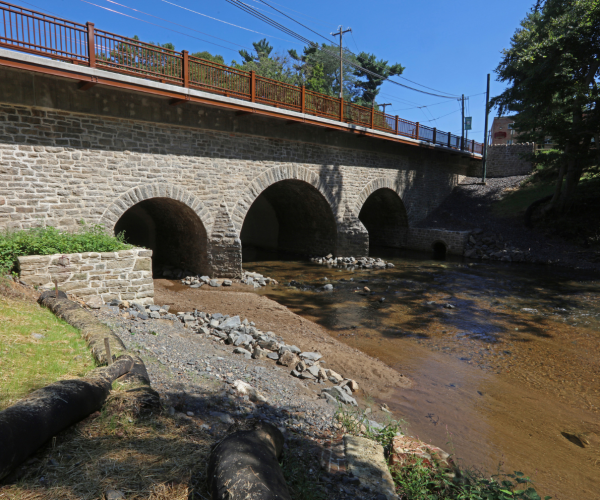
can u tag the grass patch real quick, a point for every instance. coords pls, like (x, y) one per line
(515, 202)
(27, 363)
(48, 241)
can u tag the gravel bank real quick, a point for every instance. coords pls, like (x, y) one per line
(196, 375)
(469, 207)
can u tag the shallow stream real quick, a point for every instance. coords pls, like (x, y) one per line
(505, 358)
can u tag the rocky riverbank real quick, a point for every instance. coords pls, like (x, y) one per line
(470, 208)
(186, 364)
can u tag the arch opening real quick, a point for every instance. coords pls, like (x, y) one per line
(290, 217)
(439, 250)
(384, 216)
(171, 229)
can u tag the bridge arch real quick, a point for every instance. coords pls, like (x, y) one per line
(166, 218)
(287, 209)
(381, 210)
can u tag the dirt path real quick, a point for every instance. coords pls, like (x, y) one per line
(375, 378)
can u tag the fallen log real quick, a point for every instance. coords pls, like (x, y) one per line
(244, 466)
(28, 424)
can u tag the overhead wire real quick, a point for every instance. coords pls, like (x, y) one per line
(250, 10)
(176, 24)
(155, 24)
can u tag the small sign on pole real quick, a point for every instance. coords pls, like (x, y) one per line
(468, 122)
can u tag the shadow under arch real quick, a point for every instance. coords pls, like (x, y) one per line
(167, 219)
(384, 215)
(290, 217)
(171, 229)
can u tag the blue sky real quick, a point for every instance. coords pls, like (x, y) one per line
(448, 46)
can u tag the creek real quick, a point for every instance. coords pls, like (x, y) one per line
(504, 358)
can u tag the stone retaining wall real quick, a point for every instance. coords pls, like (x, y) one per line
(505, 160)
(424, 239)
(124, 275)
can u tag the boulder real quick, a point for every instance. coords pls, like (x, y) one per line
(312, 356)
(288, 358)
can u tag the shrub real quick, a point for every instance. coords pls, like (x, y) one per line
(49, 240)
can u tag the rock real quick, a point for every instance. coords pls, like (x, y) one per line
(330, 399)
(196, 285)
(307, 375)
(288, 358)
(154, 308)
(295, 373)
(190, 413)
(366, 289)
(339, 394)
(214, 323)
(294, 349)
(205, 279)
(581, 439)
(143, 316)
(218, 316)
(245, 389)
(334, 377)
(227, 282)
(214, 283)
(95, 302)
(351, 384)
(241, 350)
(328, 287)
(273, 355)
(138, 306)
(114, 495)
(301, 366)
(124, 305)
(271, 345)
(188, 318)
(230, 323)
(155, 314)
(312, 356)
(449, 306)
(259, 353)
(37, 336)
(529, 310)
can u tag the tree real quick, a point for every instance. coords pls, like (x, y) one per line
(277, 67)
(552, 69)
(370, 87)
(209, 57)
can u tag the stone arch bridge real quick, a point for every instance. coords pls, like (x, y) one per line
(202, 182)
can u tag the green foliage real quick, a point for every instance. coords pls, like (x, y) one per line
(419, 481)
(209, 57)
(552, 71)
(370, 87)
(48, 240)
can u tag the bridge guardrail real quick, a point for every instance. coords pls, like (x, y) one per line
(29, 31)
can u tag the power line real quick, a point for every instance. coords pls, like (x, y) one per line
(154, 24)
(176, 24)
(253, 12)
(451, 113)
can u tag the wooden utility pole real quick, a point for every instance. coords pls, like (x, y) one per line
(384, 105)
(462, 135)
(340, 33)
(485, 134)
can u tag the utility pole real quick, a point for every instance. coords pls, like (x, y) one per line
(485, 134)
(462, 135)
(384, 105)
(340, 33)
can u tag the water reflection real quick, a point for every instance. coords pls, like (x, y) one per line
(505, 358)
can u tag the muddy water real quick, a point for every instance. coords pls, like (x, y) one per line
(505, 359)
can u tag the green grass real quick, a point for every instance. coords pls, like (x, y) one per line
(515, 203)
(48, 241)
(26, 363)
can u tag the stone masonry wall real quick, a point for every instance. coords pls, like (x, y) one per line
(59, 167)
(424, 239)
(505, 160)
(124, 275)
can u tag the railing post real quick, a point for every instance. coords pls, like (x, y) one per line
(396, 124)
(253, 86)
(303, 98)
(186, 69)
(449, 140)
(91, 45)
(434, 135)
(472, 145)
(417, 131)
(341, 109)
(373, 116)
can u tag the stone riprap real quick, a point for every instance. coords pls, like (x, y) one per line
(124, 275)
(506, 160)
(352, 262)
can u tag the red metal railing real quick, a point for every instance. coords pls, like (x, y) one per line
(30, 31)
